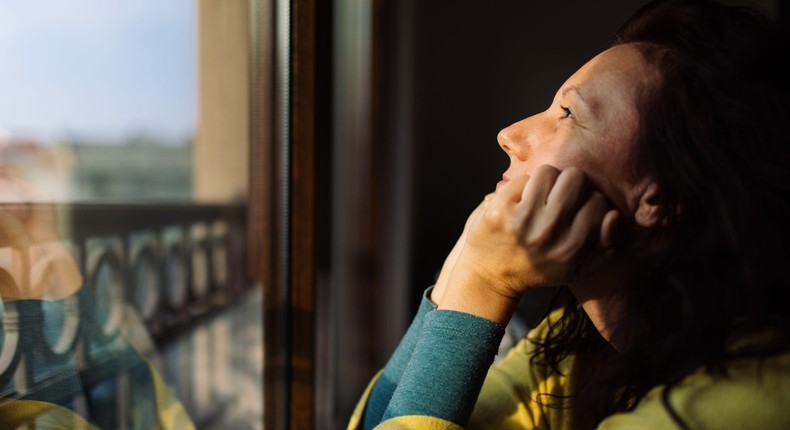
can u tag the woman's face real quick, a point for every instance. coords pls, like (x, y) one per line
(590, 125)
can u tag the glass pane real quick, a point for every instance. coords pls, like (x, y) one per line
(124, 299)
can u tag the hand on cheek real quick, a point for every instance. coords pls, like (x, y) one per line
(534, 231)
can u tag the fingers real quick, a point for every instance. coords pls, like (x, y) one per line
(565, 197)
(568, 189)
(587, 224)
(486, 201)
(511, 191)
(499, 207)
(557, 207)
(537, 191)
(609, 228)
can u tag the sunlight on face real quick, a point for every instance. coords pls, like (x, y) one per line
(589, 125)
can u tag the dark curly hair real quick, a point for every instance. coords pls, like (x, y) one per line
(714, 134)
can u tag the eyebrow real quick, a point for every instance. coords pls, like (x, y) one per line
(591, 106)
(578, 92)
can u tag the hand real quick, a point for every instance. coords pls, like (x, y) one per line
(538, 231)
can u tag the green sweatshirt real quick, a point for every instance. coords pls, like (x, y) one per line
(755, 395)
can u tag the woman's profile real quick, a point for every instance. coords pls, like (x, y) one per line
(655, 189)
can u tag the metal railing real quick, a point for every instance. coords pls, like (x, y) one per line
(152, 275)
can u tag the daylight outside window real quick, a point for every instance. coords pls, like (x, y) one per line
(124, 293)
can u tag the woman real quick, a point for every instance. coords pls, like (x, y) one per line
(656, 189)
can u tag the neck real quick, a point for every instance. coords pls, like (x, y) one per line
(601, 297)
(601, 310)
(601, 293)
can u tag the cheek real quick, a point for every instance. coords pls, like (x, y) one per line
(596, 161)
(608, 169)
(563, 153)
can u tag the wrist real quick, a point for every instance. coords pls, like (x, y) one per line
(437, 291)
(473, 294)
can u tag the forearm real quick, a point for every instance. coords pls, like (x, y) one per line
(447, 368)
(393, 371)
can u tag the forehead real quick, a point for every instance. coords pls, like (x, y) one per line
(610, 82)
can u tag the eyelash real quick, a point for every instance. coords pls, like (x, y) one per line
(568, 113)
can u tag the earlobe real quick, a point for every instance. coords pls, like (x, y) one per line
(649, 213)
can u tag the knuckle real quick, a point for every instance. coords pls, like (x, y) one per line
(495, 214)
(538, 238)
(572, 178)
(574, 173)
(598, 196)
(566, 253)
(547, 171)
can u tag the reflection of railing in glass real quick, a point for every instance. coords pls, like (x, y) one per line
(140, 273)
(107, 123)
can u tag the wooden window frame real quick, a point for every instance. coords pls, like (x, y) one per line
(281, 203)
(291, 218)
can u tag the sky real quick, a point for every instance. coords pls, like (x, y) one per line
(98, 69)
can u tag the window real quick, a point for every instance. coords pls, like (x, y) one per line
(125, 293)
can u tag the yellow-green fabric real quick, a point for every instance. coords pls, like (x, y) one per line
(755, 395)
(170, 413)
(16, 414)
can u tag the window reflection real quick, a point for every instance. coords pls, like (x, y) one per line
(124, 301)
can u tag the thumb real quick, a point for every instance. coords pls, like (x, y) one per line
(610, 229)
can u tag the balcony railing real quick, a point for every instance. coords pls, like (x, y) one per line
(155, 279)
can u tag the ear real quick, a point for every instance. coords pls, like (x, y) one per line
(648, 213)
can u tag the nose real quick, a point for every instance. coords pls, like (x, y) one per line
(514, 140)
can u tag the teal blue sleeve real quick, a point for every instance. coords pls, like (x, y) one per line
(391, 375)
(447, 368)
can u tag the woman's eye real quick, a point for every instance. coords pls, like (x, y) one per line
(568, 113)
